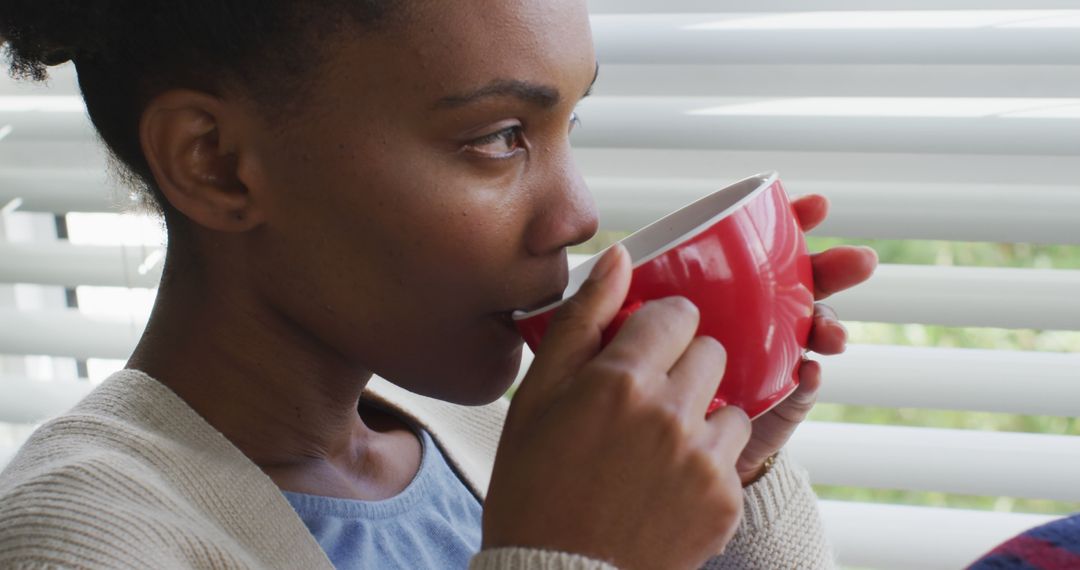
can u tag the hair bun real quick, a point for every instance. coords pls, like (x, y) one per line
(43, 33)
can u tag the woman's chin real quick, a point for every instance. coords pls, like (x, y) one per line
(468, 384)
(485, 388)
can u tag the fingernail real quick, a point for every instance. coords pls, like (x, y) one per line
(606, 264)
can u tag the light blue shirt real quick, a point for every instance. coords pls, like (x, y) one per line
(433, 523)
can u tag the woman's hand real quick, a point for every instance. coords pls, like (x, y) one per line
(608, 453)
(835, 269)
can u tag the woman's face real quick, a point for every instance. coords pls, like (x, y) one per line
(427, 189)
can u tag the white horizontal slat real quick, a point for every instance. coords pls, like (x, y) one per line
(970, 462)
(687, 38)
(890, 210)
(961, 296)
(678, 123)
(957, 296)
(83, 190)
(1036, 213)
(839, 80)
(60, 263)
(44, 125)
(53, 155)
(670, 6)
(966, 296)
(901, 537)
(1015, 382)
(58, 190)
(854, 167)
(691, 123)
(67, 333)
(29, 401)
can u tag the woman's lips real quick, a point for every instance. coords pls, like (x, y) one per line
(547, 301)
(507, 317)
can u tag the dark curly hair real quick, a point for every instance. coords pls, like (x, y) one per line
(128, 51)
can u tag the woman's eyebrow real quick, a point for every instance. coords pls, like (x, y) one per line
(543, 96)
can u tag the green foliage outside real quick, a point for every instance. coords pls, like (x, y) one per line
(925, 252)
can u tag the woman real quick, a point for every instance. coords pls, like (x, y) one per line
(370, 187)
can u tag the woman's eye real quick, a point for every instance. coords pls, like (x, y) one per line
(500, 143)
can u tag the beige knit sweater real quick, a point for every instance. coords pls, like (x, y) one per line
(132, 477)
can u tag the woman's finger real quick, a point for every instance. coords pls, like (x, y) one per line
(654, 337)
(811, 210)
(729, 431)
(772, 430)
(828, 335)
(573, 338)
(698, 373)
(841, 268)
(796, 407)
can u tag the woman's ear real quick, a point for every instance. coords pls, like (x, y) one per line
(193, 143)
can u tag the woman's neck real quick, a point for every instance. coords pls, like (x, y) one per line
(286, 401)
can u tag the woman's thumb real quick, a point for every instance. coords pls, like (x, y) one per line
(574, 334)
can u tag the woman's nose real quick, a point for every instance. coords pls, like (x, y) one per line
(565, 212)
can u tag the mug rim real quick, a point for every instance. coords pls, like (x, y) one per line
(767, 180)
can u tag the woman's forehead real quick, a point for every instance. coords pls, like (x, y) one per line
(464, 45)
(446, 51)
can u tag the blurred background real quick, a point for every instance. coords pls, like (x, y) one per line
(946, 135)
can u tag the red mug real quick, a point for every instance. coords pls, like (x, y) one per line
(739, 254)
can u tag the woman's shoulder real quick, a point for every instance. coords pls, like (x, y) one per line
(131, 477)
(101, 509)
(100, 457)
(127, 421)
(65, 500)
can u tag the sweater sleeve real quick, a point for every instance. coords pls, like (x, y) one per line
(533, 559)
(781, 525)
(781, 528)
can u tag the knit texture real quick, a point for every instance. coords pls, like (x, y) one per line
(1052, 546)
(132, 477)
(781, 524)
(527, 559)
